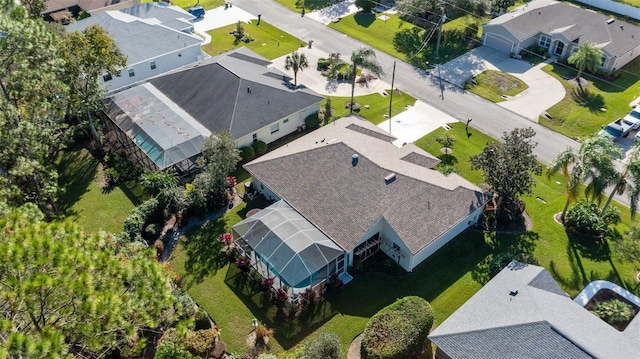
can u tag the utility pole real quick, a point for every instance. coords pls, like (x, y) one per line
(440, 22)
(393, 78)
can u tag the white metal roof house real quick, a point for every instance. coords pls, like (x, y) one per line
(155, 37)
(560, 28)
(523, 313)
(354, 186)
(169, 116)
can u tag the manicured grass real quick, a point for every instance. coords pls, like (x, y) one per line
(206, 4)
(375, 32)
(635, 3)
(378, 105)
(85, 201)
(578, 114)
(296, 5)
(270, 41)
(446, 280)
(492, 85)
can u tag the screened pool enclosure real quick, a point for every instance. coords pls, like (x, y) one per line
(281, 243)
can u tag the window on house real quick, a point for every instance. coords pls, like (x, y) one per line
(131, 72)
(255, 137)
(275, 128)
(545, 41)
(107, 77)
(559, 48)
(152, 64)
(604, 60)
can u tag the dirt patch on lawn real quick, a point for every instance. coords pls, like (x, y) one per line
(354, 348)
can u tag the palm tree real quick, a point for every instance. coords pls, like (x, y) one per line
(592, 163)
(628, 180)
(364, 58)
(586, 57)
(296, 62)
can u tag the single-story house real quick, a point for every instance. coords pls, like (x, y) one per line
(355, 187)
(561, 27)
(164, 121)
(155, 37)
(523, 313)
(58, 10)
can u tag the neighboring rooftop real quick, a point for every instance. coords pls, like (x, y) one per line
(86, 5)
(253, 96)
(576, 24)
(164, 13)
(316, 175)
(523, 313)
(139, 39)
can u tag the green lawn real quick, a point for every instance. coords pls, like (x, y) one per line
(296, 5)
(378, 105)
(578, 114)
(270, 41)
(185, 4)
(85, 201)
(492, 85)
(447, 279)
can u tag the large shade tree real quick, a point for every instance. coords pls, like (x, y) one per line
(296, 62)
(592, 164)
(363, 58)
(31, 103)
(509, 167)
(586, 57)
(67, 292)
(628, 180)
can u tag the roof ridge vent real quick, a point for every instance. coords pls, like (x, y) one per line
(354, 159)
(390, 178)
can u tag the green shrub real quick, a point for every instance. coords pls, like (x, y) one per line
(399, 330)
(324, 346)
(260, 148)
(585, 218)
(173, 351)
(247, 153)
(613, 311)
(140, 217)
(323, 64)
(312, 121)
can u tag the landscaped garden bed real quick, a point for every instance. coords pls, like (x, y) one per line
(607, 295)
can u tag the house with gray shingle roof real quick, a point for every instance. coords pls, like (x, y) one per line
(523, 313)
(561, 27)
(155, 37)
(164, 121)
(59, 10)
(367, 195)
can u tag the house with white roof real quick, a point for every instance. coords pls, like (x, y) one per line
(155, 37)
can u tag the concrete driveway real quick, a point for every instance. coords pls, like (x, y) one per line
(544, 90)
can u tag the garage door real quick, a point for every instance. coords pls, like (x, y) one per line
(498, 43)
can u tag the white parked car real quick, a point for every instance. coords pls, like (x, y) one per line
(633, 118)
(637, 138)
(613, 130)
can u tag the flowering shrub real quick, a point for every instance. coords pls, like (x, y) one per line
(225, 238)
(336, 281)
(231, 181)
(243, 263)
(267, 283)
(280, 297)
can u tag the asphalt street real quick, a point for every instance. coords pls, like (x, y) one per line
(487, 116)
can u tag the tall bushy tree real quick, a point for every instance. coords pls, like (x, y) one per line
(219, 159)
(627, 248)
(509, 166)
(87, 55)
(365, 5)
(296, 62)
(586, 57)
(628, 181)
(34, 8)
(363, 58)
(32, 101)
(67, 292)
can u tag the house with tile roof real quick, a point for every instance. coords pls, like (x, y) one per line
(155, 37)
(560, 27)
(355, 187)
(164, 121)
(523, 313)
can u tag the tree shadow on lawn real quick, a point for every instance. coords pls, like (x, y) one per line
(594, 102)
(499, 242)
(288, 331)
(203, 251)
(364, 19)
(77, 169)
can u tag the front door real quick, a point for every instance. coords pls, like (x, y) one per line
(559, 48)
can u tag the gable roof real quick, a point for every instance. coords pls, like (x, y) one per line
(574, 23)
(137, 38)
(165, 14)
(236, 91)
(316, 176)
(523, 313)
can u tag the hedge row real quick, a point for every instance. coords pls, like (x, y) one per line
(398, 331)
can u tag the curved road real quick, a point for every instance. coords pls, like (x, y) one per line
(487, 116)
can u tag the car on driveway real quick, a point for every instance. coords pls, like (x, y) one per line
(637, 138)
(633, 118)
(613, 130)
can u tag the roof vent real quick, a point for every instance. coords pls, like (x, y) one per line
(354, 160)
(611, 20)
(513, 293)
(390, 178)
